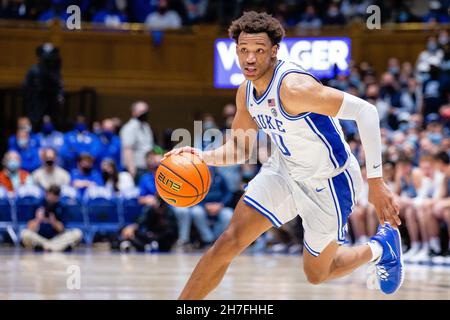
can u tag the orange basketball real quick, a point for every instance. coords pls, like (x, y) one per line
(183, 180)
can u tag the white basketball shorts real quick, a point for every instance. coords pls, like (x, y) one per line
(324, 204)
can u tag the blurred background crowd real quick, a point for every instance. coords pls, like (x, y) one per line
(177, 13)
(96, 181)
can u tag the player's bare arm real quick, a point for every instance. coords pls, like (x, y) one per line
(239, 144)
(300, 93)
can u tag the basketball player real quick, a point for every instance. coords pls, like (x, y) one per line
(312, 173)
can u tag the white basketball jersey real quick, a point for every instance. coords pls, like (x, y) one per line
(311, 145)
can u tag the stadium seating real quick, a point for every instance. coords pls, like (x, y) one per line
(102, 211)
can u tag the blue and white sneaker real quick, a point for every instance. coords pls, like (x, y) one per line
(390, 269)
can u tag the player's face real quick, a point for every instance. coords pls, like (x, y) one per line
(256, 53)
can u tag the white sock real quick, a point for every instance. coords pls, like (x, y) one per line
(376, 248)
(435, 244)
(362, 239)
(425, 246)
(415, 245)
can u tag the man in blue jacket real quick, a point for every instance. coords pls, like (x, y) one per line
(212, 215)
(79, 141)
(28, 148)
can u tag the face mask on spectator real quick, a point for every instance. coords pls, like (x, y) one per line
(432, 46)
(86, 169)
(435, 138)
(424, 77)
(22, 143)
(13, 165)
(412, 138)
(208, 125)
(47, 128)
(394, 70)
(25, 128)
(80, 126)
(143, 117)
(106, 175)
(108, 134)
(50, 162)
(333, 12)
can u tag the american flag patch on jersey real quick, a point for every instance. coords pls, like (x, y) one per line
(271, 102)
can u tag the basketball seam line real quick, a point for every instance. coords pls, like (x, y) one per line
(198, 171)
(173, 171)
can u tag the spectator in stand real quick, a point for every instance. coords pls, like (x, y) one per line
(405, 189)
(49, 137)
(47, 231)
(213, 215)
(431, 55)
(28, 149)
(43, 86)
(427, 180)
(333, 15)
(137, 139)
(79, 141)
(140, 9)
(109, 144)
(50, 173)
(437, 13)
(411, 97)
(373, 96)
(85, 175)
(155, 230)
(425, 211)
(433, 90)
(23, 124)
(310, 19)
(390, 90)
(12, 177)
(163, 18)
(14, 9)
(113, 14)
(441, 211)
(196, 10)
(113, 179)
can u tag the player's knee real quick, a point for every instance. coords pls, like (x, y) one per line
(314, 274)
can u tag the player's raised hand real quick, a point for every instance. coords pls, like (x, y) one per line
(383, 199)
(188, 149)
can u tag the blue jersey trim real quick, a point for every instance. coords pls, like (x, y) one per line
(250, 201)
(247, 95)
(309, 122)
(337, 212)
(264, 95)
(310, 250)
(283, 112)
(324, 124)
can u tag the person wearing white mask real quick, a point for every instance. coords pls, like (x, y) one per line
(11, 177)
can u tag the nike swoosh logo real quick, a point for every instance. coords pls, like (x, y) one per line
(318, 190)
(376, 166)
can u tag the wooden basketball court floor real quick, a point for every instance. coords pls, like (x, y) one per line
(105, 275)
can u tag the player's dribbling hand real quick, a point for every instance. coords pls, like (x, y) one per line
(188, 149)
(383, 200)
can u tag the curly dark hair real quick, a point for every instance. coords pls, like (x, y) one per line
(256, 22)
